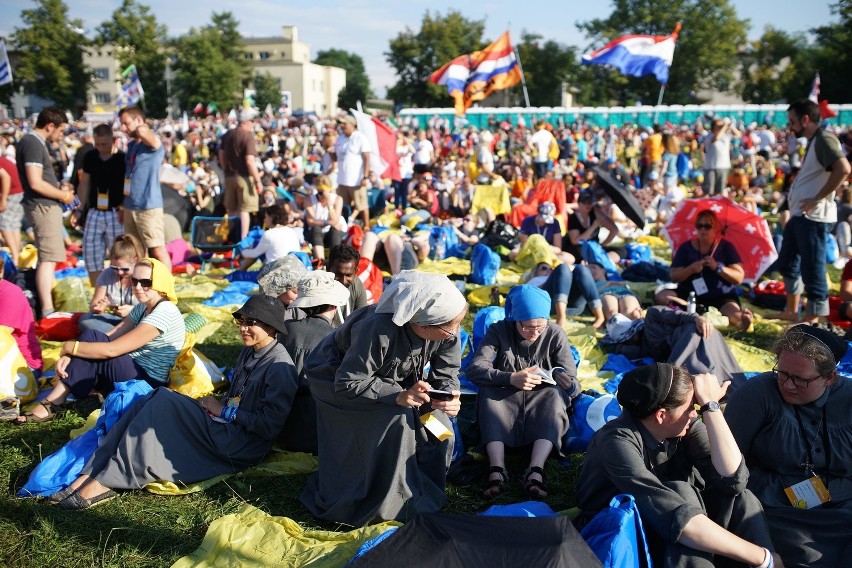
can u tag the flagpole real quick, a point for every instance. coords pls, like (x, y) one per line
(659, 102)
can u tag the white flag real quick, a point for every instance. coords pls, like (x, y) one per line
(5, 66)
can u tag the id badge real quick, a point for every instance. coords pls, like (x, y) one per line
(103, 201)
(700, 286)
(126, 187)
(808, 494)
(235, 401)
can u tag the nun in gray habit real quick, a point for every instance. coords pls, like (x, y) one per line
(377, 461)
(515, 407)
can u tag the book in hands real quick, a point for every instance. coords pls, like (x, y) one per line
(547, 376)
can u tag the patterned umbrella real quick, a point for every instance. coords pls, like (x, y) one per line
(747, 231)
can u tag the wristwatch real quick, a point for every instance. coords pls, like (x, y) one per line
(711, 406)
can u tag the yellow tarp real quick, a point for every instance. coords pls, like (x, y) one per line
(493, 197)
(254, 538)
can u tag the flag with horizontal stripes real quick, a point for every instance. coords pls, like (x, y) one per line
(5, 66)
(472, 77)
(638, 55)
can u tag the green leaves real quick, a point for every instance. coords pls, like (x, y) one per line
(357, 83)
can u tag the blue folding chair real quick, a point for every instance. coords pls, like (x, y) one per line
(215, 235)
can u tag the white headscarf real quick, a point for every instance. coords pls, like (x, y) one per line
(421, 298)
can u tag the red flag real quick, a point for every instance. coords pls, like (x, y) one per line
(382, 139)
(826, 111)
(199, 108)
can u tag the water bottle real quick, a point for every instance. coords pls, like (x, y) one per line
(495, 295)
(441, 246)
(690, 304)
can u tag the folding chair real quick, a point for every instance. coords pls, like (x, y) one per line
(215, 235)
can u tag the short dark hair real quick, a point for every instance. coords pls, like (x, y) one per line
(51, 115)
(343, 254)
(103, 129)
(805, 107)
(681, 386)
(133, 111)
(278, 214)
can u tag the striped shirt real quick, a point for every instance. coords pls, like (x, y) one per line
(158, 355)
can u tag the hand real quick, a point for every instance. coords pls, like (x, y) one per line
(450, 407)
(704, 327)
(525, 379)
(697, 266)
(123, 311)
(100, 306)
(707, 388)
(211, 405)
(67, 196)
(563, 379)
(414, 396)
(2, 204)
(61, 365)
(808, 204)
(711, 263)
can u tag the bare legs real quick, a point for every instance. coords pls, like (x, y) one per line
(44, 285)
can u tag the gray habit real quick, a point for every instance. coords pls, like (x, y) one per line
(672, 482)
(168, 436)
(517, 417)
(377, 462)
(768, 433)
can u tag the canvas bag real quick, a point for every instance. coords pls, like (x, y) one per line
(616, 535)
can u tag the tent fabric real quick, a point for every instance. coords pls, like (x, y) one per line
(545, 190)
(251, 537)
(443, 539)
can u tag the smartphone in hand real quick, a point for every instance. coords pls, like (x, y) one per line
(436, 394)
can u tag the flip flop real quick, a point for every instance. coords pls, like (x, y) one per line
(75, 502)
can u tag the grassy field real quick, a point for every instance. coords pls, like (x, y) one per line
(144, 530)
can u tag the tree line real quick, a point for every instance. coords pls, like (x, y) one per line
(209, 63)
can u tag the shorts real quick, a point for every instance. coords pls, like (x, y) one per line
(12, 218)
(147, 225)
(47, 225)
(240, 195)
(353, 196)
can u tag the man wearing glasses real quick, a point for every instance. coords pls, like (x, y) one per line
(794, 427)
(813, 212)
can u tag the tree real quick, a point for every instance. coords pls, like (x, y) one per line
(775, 68)
(706, 52)
(210, 64)
(51, 54)
(831, 55)
(415, 55)
(357, 83)
(546, 67)
(135, 31)
(267, 91)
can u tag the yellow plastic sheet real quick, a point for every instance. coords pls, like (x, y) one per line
(193, 374)
(16, 378)
(493, 197)
(451, 265)
(535, 250)
(254, 538)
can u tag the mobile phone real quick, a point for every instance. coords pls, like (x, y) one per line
(436, 394)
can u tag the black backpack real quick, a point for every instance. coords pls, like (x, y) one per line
(499, 233)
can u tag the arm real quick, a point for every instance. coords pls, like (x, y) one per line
(724, 452)
(99, 300)
(359, 375)
(703, 534)
(263, 246)
(83, 188)
(312, 221)
(840, 170)
(37, 183)
(5, 188)
(122, 343)
(223, 161)
(251, 164)
(270, 412)
(366, 157)
(147, 136)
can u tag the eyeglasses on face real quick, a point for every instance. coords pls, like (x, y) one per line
(245, 322)
(532, 328)
(798, 382)
(705, 226)
(450, 333)
(145, 282)
(121, 268)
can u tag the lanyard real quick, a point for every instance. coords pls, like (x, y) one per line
(809, 447)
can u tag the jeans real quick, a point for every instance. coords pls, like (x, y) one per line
(400, 193)
(101, 374)
(805, 239)
(575, 288)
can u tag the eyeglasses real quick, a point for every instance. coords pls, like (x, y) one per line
(121, 268)
(145, 282)
(532, 328)
(798, 382)
(245, 322)
(705, 226)
(450, 333)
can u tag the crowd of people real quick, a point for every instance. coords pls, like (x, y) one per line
(369, 383)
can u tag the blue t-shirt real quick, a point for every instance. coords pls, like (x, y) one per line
(671, 169)
(143, 168)
(528, 227)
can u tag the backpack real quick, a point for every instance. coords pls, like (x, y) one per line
(484, 265)
(499, 233)
(616, 535)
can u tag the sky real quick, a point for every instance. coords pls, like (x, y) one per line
(365, 27)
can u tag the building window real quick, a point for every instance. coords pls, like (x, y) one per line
(264, 55)
(249, 55)
(100, 73)
(105, 98)
(283, 55)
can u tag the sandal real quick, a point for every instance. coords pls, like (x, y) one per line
(75, 502)
(28, 417)
(495, 487)
(59, 495)
(533, 488)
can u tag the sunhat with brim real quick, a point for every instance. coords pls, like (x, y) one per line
(266, 309)
(319, 288)
(620, 328)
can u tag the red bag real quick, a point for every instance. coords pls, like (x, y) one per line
(354, 237)
(59, 326)
(373, 279)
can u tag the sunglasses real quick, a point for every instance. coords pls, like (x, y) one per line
(121, 268)
(145, 282)
(246, 322)
(705, 226)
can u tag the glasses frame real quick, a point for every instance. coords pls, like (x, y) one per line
(121, 268)
(246, 322)
(450, 334)
(532, 328)
(146, 283)
(797, 382)
(705, 226)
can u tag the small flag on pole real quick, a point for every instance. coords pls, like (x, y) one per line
(5, 66)
(814, 94)
(211, 108)
(131, 91)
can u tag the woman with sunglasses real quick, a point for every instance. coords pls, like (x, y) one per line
(167, 436)
(516, 406)
(114, 298)
(142, 346)
(794, 426)
(711, 267)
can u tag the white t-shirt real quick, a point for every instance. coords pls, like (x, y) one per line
(405, 152)
(717, 154)
(320, 213)
(275, 243)
(350, 159)
(540, 143)
(423, 152)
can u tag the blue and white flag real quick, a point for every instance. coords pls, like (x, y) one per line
(131, 91)
(5, 66)
(637, 55)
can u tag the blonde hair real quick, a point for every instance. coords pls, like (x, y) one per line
(126, 246)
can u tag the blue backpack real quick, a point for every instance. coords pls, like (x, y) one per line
(594, 252)
(616, 535)
(484, 265)
(589, 414)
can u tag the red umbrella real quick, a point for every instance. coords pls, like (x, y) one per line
(747, 231)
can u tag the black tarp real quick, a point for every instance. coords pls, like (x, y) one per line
(449, 540)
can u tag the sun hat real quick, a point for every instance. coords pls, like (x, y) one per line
(266, 309)
(547, 211)
(320, 288)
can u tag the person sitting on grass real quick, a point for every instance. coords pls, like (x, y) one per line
(113, 298)
(142, 346)
(167, 436)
